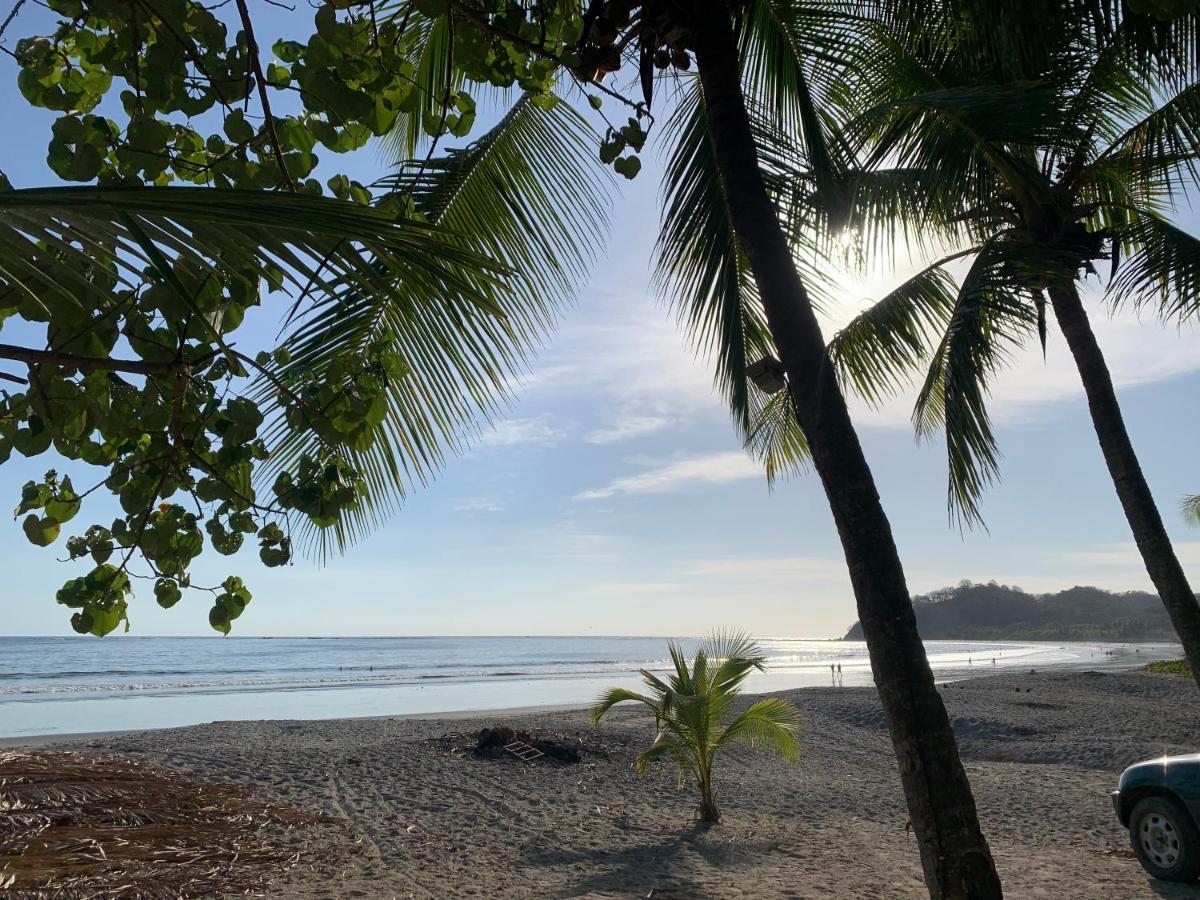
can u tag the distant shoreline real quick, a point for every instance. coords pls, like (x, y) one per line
(1081, 614)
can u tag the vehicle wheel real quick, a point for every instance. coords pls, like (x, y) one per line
(1165, 839)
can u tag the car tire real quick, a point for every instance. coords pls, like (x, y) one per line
(1165, 839)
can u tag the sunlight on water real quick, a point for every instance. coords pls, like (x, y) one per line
(68, 685)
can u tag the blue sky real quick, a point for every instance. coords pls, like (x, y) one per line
(613, 497)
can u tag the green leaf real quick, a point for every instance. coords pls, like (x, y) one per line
(277, 75)
(166, 592)
(237, 129)
(218, 618)
(41, 532)
(628, 166)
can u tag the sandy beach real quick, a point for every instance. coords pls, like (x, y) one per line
(419, 818)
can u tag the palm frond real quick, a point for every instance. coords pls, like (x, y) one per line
(664, 745)
(1102, 89)
(51, 237)
(776, 438)
(613, 696)
(428, 44)
(528, 194)
(681, 682)
(989, 320)
(700, 267)
(1162, 149)
(780, 44)
(772, 723)
(1160, 267)
(1191, 510)
(904, 209)
(728, 678)
(731, 655)
(875, 355)
(730, 643)
(881, 349)
(911, 114)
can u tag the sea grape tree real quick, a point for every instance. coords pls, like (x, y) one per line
(124, 298)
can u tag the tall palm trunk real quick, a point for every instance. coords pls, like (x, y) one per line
(954, 852)
(1148, 531)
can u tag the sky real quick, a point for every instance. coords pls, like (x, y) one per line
(613, 496)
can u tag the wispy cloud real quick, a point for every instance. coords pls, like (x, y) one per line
(1125, 555)
(478, 504)
(516, 432)
(800, 568)
(627, 589)
(627, 354)
(631, 427)
(714, 468)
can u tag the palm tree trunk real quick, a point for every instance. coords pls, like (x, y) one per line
(954, 852)
(1153, 543)
(710, 813)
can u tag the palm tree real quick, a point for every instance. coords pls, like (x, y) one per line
(750, 300)
(955, 856)
(1191, 509)
(690, 706)
(1035, 167)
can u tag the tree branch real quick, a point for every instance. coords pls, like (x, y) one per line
(252, 49)
(12, 15)
(89, 363)
(483, 20)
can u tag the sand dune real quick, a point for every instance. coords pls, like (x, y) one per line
(424, 821)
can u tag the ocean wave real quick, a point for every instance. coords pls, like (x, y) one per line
(216, 672)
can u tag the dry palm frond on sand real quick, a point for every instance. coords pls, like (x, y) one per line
(102, 827)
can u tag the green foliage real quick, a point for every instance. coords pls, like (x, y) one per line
(699, 265)
(354, 78)
(998, 612)
(141, 288)
(692, 704)
(415, 301)
(892, 337)
(140, 380)
(1043, 146)
(1178, 667)
(526, 193)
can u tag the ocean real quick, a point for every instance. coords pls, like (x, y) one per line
(64, 685)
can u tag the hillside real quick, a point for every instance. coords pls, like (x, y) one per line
(999, 612)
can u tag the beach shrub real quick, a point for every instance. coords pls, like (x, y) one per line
(1169, 667)
(691, 704)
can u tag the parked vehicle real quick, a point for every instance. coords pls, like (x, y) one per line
(1159, 802)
